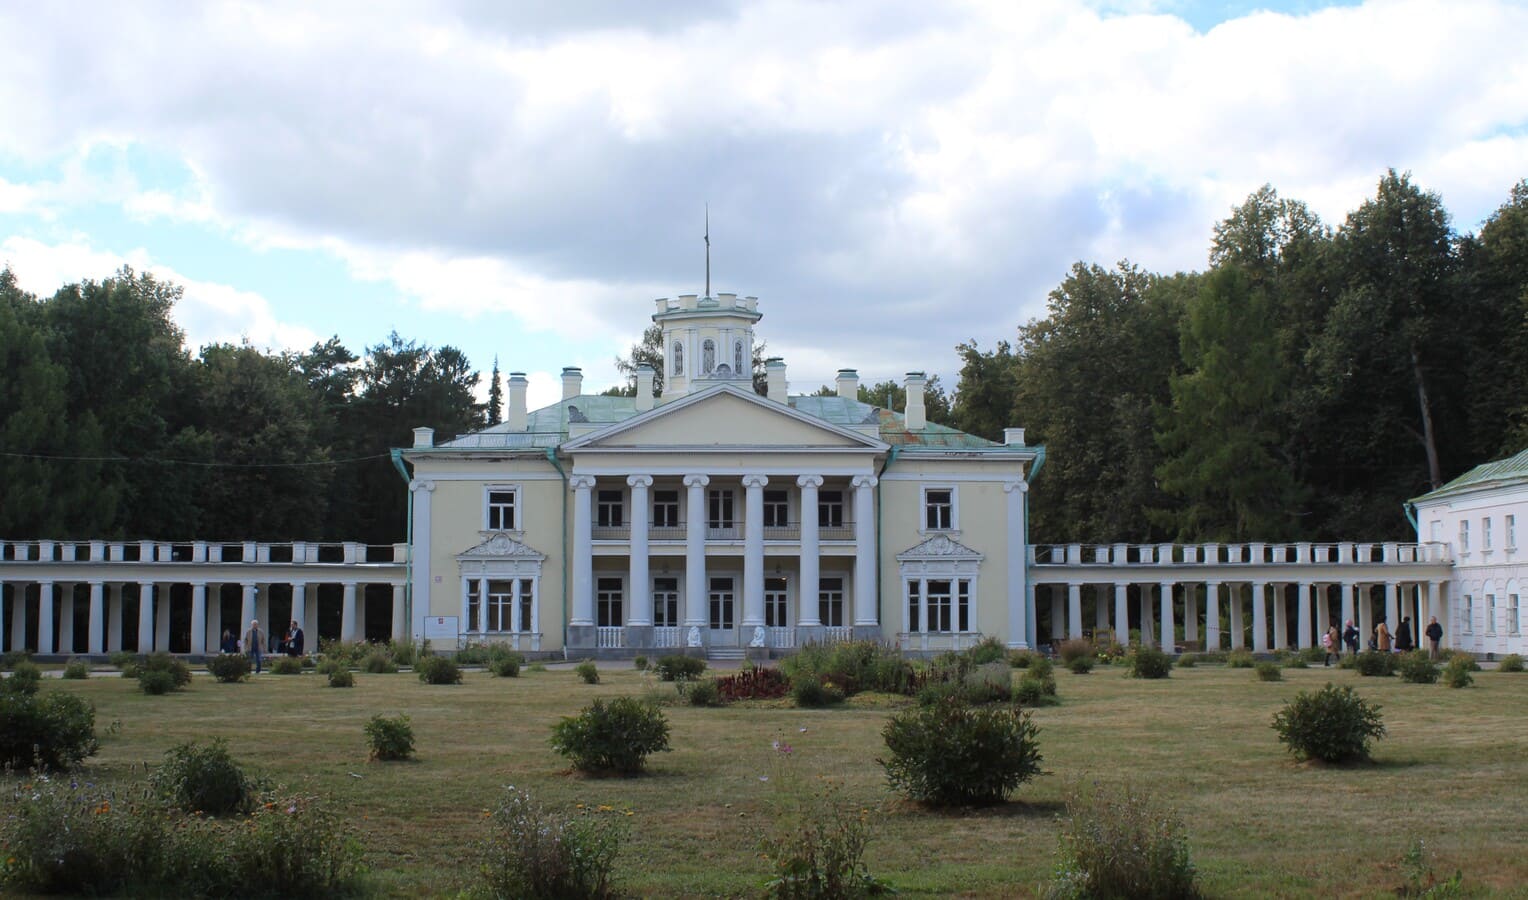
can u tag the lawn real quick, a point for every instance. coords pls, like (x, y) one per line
(1453, 771)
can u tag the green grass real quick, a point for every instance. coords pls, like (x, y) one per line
(1451, 771)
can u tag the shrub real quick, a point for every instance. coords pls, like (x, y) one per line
(537, 854)
(1074, 649)
(677, 667)
(286, 665)
(329, 665)
(10, 658)
(856, 666)
(390, 737)
(987, 650)
(229, 667)
(123, 658)
(1034, 691)
(1149, 662)
(614, 737)
(958, 754)
(1457, 673)
(1376, 663)
(1188, 661)
(1239, 659)
(1417, 668)
(1297, 661)
(52, 732)
(1021, 659)
(1348, 662)
(156, 681)
(1333, 725)
(753, 684)
(438, 670)
(347, 653)
(817, 842)
(379, 662)
(507, 666)
(703, 692)
(341, 678)
(811, 692)
(1119, 844)
(203, 779)
(1468, 659)
(588, 671)
(1511, 663)
(639, 663)
(988, 683)
(1269, 671)
(25, 678)
(404, 653)
(178, 670)
(76, 669)
(1042, 668)
(1082, 665)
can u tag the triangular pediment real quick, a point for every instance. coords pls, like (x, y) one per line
(501, 546)
(940, 546)
(726, 417)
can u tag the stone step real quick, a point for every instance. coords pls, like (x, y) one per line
(725, 654)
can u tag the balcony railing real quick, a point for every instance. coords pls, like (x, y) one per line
(1345, 553)
(668, 637)
(842, 531)
(610, 637)
(293, 553)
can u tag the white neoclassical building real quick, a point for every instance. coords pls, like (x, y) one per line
(715, 518)
(1480, 515)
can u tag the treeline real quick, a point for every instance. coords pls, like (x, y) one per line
(111, 428)
(1301, 389)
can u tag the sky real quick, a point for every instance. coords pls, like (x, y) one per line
(890, 178)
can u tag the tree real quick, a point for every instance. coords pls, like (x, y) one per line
(1496, 266)
(495, 395)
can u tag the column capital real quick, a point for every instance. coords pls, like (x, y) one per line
(696, 480)
(755, 481)
(1021, 486)
(1212, 584)
(864, 481)
(812, 481)
(642, 481)
(96, 582)
(419, 484)
(193, 583)
(581, 482)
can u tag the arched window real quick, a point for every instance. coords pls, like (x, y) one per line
(678, 358)
(737, 357)
(707, 356)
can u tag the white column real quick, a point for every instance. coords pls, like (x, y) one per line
(66, 619)
(419, 555)
(583, 550)
(300, 608)
(45, 642)
(1303, 620)
(1148, 619)
(162, 620)
(199, 617)
(114, 617)
(1212, 615)
(1347, 588)
(400, 629)
(263, 608)
(1259, 618)
(310, 620)
(1100, 610)
(639, 604)
(1058, 612)
(865, 593)
(1280, 617)
(1323, 610)
(1074, 610)
(1364, 600)
(96, 644)
(1031, 616)
(246, 610)
(145, 617)
(1236, 623)
(1018, 555)
(1190, 613)
(1392, 606)
(347, 613)
(19, 616)
(753, 551)
(1169, 627)
(215, 616)
(1121, 614)
(695, 551)
(810, 552)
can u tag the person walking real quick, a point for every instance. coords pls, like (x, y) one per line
(1331, 642)
(1434, 637)
(1403, 643)
(294, 640)
(1350, 637)
(254, 643)
(1382, 638)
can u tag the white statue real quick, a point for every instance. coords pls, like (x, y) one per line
(759, 638)
(693, 638)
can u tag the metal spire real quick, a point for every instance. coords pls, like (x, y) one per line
(708, 250)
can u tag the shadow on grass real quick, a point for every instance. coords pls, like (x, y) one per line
(1014, 809)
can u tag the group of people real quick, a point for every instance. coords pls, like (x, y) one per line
(1381, 639)
(255, 641)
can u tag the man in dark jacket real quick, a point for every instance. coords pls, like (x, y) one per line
(294, 640)
(1434, 637)
(1350, 637)
(1403, 642)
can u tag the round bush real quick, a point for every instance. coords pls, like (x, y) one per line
(53, 732)
(438, 670)
(639, 663)
(286, 665)
(390, 737)
(677, 667)
(1074, 649)
(1239, 659)
(1511, 663)
(1188, 661)
(704, 692)
(378, 662)
(1457, 673)
(341, 678)
(1417, 668)
(506, 666)
(1149, 662)
(1333, 725)
(77, 669)
(588, 671)
(203, 779)
(229, 667)
(1376, 663)
(617, 736)
(1268, 671)
(1082, 665)
(811, 692)
(1296, 662)
(958, 754)
(156, 681)
(25, 678)
(1118, 843)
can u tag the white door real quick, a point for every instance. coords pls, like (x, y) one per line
(722, 605)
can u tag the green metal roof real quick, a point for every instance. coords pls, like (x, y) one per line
(548, 427)
(1498, 473)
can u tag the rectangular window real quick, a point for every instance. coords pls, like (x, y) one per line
(609, 594)
(1468, 625)
(719, 509)
(1510, 524)
(501, 605)
(665, 509)
(474, 607)
(938, 509)
(776, 509)
(963, 604)
(611, 509)
(1514, 614)
(665, 602)
(939, 598)
(776, 603)
(1490, 613)
(830, 509)
(1485, 533)
(913, 618)
(1464, 536)
(723, 599)
(501, 509)
(830, 601)
(527, 623)
(1435, 532)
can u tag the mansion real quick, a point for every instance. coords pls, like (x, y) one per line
(702, 516)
